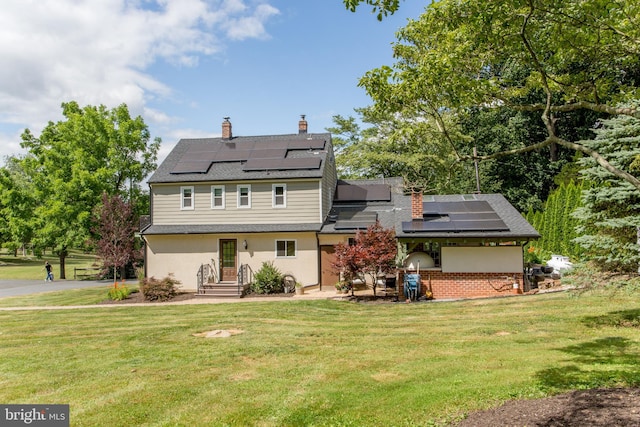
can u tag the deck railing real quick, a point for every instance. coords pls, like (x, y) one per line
(245, 277)
(207, 273)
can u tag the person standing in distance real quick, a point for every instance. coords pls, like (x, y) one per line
(47, 267)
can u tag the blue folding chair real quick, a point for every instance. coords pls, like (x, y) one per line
(411, 286)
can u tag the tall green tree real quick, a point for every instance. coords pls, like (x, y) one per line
(610, 215)
(94, 150)
(393, 147)
(550, 58)
(16, 206)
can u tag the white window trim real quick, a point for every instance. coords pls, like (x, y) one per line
(182, 198)
(223, 196)
(247, 186)
(284, 196)
(295, 249)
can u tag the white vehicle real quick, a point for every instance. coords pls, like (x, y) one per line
(561, 264)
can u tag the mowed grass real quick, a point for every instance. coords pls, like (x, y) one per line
(82, 296)
(31, 267)
(315, 362)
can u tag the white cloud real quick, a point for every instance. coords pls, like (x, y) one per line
(250, 26)
(99, 51)
(9, 144)
(172, 137)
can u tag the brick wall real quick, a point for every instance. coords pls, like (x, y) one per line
(416, 205)
(467, 285)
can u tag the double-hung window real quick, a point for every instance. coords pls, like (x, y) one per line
(217, 197)
(279, 192)
(244, 196)
(187, 198)
(285, 248)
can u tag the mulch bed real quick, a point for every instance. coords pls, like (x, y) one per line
(137, 298)
(599, 407)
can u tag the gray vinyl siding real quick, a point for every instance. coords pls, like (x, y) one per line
(302, 204)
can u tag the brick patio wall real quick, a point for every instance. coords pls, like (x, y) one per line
(467, 285)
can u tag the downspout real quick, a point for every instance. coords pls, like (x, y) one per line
(319, 262)
(150, 224)
(526, 286)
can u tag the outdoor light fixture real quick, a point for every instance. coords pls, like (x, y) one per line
(244, 244)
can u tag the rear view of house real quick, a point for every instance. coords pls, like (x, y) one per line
(221, 207)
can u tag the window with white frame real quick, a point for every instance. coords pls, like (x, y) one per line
(217, 197)
(285, 248)
(187, 199)
(244, 196)
(279, 195)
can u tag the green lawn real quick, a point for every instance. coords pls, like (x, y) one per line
(31, 267)
(84, 296)
(314, 362)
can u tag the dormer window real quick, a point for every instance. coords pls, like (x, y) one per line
(279, 192)
(187, 198)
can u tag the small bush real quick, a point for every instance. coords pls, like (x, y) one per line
(118, 292)
(268, 280)
(153, 289)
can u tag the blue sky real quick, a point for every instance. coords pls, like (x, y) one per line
(183, 65)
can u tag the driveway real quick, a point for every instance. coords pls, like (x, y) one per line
(10, 288)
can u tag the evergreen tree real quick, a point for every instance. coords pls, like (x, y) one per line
(556, 224)
(610, 213)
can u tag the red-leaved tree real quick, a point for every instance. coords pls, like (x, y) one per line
(116, 227)
(373, 253)
(349, 262)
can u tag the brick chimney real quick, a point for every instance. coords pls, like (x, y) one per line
(226, 129)
(416, 205)
(302, 124)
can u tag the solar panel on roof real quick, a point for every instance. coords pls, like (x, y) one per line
(192, 167)
(457, 207)
(352, 225)
(232, 155)
(198, 156)
(282, 164)
(457, 216)
(276, 143)
(473, 216)
(360, 215)
(477, 206)
(355, 220)
(306, 144)
(268, 153)
(362, 193)
(453, 226)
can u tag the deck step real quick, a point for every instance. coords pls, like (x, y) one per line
(221, 290)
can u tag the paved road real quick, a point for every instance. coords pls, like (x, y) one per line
(10, 288)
